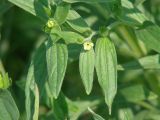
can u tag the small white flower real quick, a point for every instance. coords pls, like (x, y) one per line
(88, 45)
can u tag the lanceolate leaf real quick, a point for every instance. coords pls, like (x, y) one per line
(34, 7)
(86, 68)
(77, 22)
(76, 108)
(150, 36)
(131, 15)
(37, 74)
(106, 67)
(139, 93)
(36, 103)
(28, 91)
(147, 114)
(125, 114)
(148, 62)
(69, 37)
(8, 108)
(60, 107)
(57, 56)
(88, 1)
(95, 116)
(62, 12)
(138, 2)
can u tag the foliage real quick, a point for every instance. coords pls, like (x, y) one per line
(79, 59)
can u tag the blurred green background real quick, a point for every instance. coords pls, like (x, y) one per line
(138, 90)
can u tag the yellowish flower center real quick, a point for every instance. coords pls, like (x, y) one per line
(88, 45)
(50, 24)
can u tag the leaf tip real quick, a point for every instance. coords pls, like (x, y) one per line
(110, 109)
(88, 92)
(109, 104)
(89, 109)
(55, 96)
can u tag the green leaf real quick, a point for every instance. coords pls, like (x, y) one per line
(8, 108)
(95, 116)
(89, 1)
(86, 68)
(147, 114)
(57, 56)
(64, 108)
(36, 103)
(74, 51)
(136, 93)
(125, 114)
(60, 108)
(4, 6)
(77, 22)
(151, 78)
(106, 68)
(61, 13)
(34, 7)
(69, 37)
(130, 14)
(37, 74)
(138, 2)
(28, 91)
(5, 81)
(148, 62)
(150, 36)
(76, 108)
